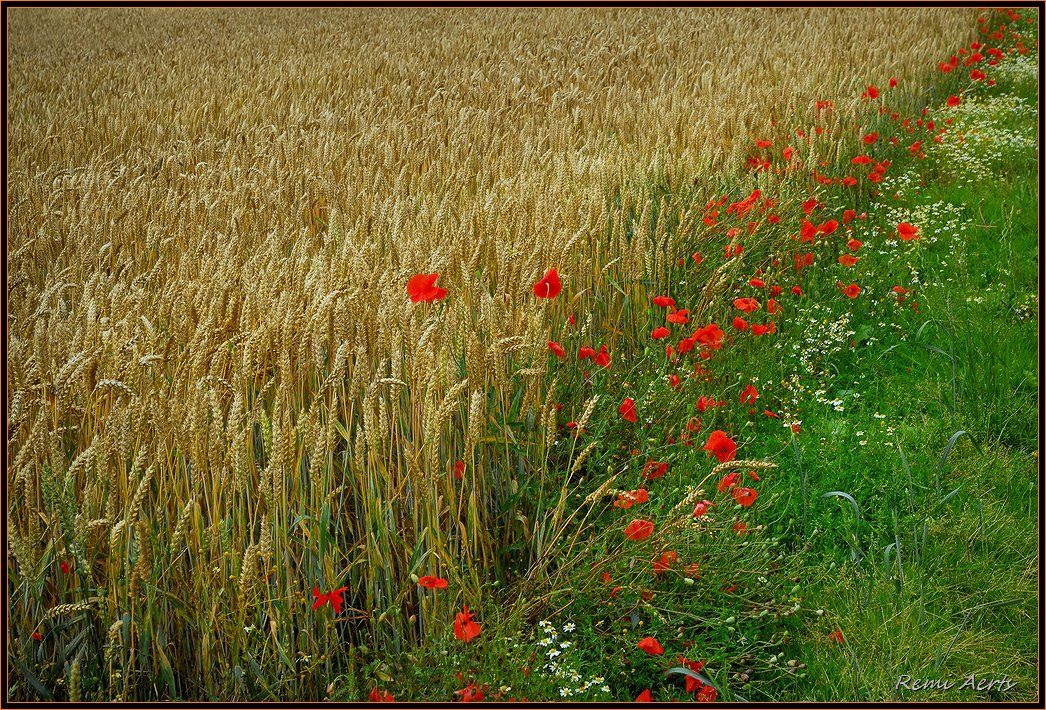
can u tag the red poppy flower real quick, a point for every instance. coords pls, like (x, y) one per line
(333, 598)
(660, 332)
(557, 349)
(695, 666)
(707, 694)
(664, 302)
(430, 582)
(759, 163)
(728, 481)
(37, 636)
(721, 446)
(953, 101)
(464, 627)
(852, 291)
(829, 227)
(629, 498)
(693, 424)
(753, 475)
(763, 329)
(549, 286)
(422, 288)
(746, 304)
(893, 82)
(854, 244)
(665, 563)
(696, 256)
(749, 394)
(978, 75)
(809, 205)
(692, 684)
(907, 232)
(644, 697)
(701, 508)
(807, 231)
(871, 92)
(459, 469)
(586, 353)
(710, 336)
(870, 138)
(772, 306)
(651, 646)
(64, 566)
(471, 693)
(836, 636)
(797, 291)
(627, 410)
(740, 323)
(686, 345)
(679, 317)
(655, 469)
(602, 358)
(745, 496)
(673, 381)
(847, 260)
(639, 530)
(381, 696)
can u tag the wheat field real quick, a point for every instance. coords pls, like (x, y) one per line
(220, 396)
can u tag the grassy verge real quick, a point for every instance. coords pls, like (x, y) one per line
(947, 585)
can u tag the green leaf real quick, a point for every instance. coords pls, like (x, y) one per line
(33, 680)
(847, 496)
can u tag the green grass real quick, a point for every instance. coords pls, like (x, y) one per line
(968, 599)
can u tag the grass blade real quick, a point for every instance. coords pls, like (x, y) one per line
(847, 496)
(33, 680)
